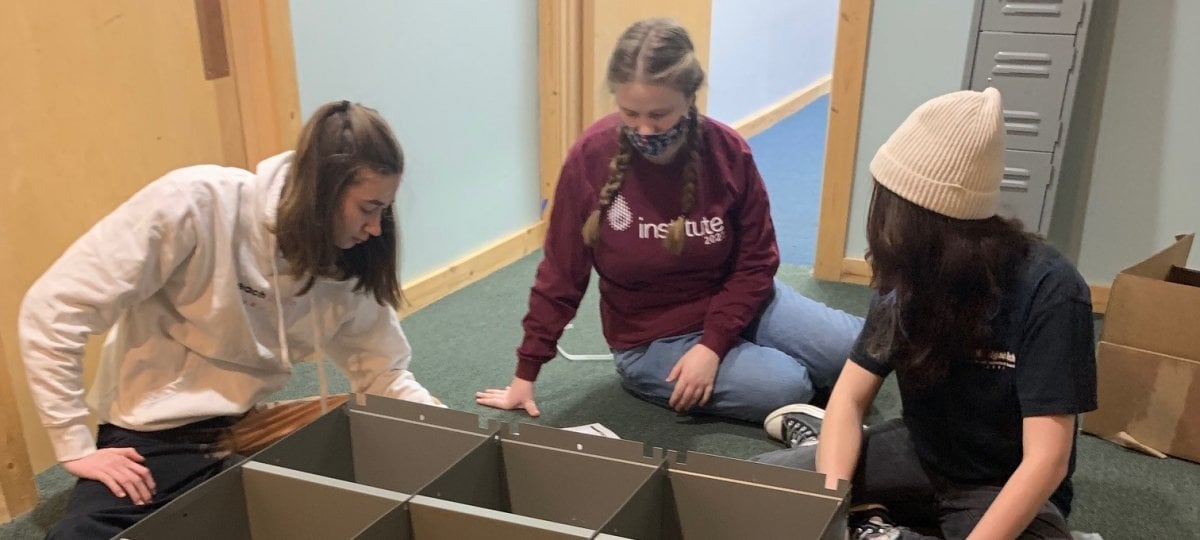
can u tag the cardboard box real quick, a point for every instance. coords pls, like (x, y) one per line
(393, 469)
(1148, 363)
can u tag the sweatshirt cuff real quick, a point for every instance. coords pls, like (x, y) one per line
(528, 369)
(72, 441)
(719, 343)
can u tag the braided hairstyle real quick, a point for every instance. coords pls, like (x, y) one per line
(616, 176)
(654, 51)
(691, 176)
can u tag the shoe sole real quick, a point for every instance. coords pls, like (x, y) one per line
(774, 422)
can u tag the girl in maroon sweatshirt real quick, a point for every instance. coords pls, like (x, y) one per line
(667, 206)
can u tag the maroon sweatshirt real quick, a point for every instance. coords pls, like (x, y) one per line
(718, 284)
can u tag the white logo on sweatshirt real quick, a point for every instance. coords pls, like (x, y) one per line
(711, 229)
(620, 217)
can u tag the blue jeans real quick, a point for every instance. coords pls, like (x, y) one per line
(797, 347)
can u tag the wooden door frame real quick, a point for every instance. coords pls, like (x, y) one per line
(560, 89)
(263, 62)
(841, 148)
(18, 492)
(261, 57)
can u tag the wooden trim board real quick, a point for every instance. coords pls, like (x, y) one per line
(285, 87)
(841, 148)
(264, 73)
(855, 271)
(1100, 297)
(560, 75)
(18, 493)
(435, 285)
(768, 116)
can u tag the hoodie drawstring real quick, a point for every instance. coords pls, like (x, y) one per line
(323, 380)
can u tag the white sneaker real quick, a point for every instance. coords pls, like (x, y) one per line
(795, 425)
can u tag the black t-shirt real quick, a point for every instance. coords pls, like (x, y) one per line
(968, 427)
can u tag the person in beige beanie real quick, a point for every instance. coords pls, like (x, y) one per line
(989, 331)
(948, 156)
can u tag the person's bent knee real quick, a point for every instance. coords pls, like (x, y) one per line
(643, 389)
(781, 393)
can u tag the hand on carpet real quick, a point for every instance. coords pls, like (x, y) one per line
(517, 395)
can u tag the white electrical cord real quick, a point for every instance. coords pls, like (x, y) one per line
(582, 357)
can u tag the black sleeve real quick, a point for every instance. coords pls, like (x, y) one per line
(1056, 359)
(859, 354)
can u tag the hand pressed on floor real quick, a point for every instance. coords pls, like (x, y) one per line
(517, 395)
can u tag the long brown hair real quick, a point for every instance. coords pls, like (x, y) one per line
(339, 140)
(942, 280)
(654, 51)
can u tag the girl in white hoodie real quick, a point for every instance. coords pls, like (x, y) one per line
(211, 281)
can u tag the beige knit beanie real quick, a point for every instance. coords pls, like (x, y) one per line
(948, 156)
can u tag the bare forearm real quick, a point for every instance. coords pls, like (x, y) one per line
(840, 443)
(1025, 492)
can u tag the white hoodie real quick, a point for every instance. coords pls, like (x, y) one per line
(184, 276)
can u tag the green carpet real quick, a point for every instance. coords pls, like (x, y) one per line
(465, 343)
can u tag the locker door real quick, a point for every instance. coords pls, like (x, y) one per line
(1030, 70)
(1033, 16)
(1023, 189)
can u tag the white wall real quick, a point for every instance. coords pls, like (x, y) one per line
(1144, 185)
(761, 51)
(457, 80)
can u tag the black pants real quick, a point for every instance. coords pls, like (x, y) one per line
(890, 474)
(179, 459)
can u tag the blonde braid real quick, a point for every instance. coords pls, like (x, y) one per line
(691, 174)
(616, 176)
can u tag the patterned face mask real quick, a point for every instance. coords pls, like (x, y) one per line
(654, 144)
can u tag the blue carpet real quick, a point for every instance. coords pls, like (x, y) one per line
(791, 158)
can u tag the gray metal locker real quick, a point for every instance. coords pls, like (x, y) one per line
(1025, 173)
(1029, 50)
(1032, 16)
(1030, 71)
